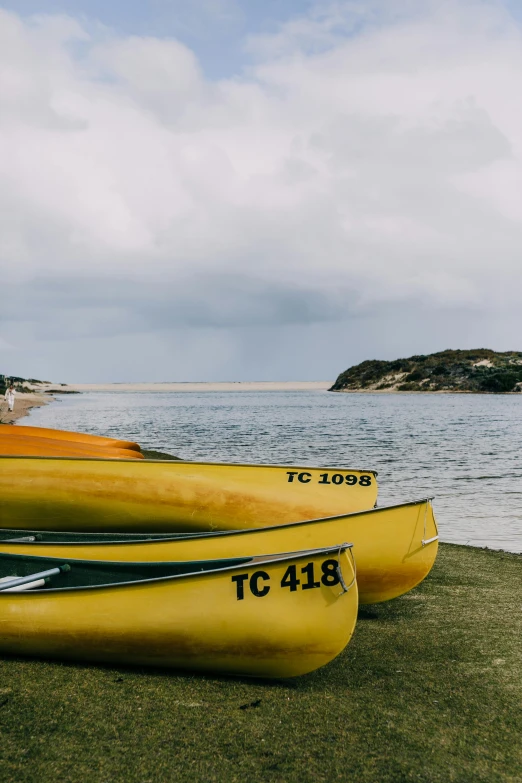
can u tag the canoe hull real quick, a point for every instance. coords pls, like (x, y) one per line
(157, 496)
(27, 446)
(197, 623)
(387, 544)
(58, 435)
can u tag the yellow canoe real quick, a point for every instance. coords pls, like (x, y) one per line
(20, 445)
(246, 616)
(157, 496)
(76, 437)
(394, 547)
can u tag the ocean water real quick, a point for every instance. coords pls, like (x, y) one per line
(466, 450)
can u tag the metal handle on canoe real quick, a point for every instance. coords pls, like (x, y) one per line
(345, 589)
(23, 580)
(425, 541)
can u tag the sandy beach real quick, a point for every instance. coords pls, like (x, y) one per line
(252, 386)
(22, 406)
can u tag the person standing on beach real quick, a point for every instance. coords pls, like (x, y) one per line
(10, 397)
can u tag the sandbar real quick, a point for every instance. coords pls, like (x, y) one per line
(41, 394)
(235, 386)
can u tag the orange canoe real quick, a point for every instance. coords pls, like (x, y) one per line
(46, 447)
(75, 437)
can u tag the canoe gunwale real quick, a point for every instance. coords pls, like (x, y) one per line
(246, 562)
(192, 462)
(84, 459)
(98, 539)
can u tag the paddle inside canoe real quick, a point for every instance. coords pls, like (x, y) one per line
(86, 573)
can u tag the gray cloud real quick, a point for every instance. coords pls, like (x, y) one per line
(91, 307)
(368, 163)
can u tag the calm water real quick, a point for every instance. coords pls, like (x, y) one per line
(464, 449)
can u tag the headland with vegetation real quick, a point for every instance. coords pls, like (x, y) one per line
(479, 371)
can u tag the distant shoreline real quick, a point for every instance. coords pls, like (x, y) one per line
(41, 393)
(241, 386)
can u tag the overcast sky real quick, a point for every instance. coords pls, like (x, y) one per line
(256, 189)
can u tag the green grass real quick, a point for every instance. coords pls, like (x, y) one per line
(429, 689)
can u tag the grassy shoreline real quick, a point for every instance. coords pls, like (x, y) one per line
(429, 689)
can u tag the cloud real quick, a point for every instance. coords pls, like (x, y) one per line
(103, 306)
(366, 158)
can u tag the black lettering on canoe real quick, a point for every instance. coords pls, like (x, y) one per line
(239, 579)
(330, 575)
(290, 578)
(291, 474)
(304, 478)
(310, 582)
(259, 592)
